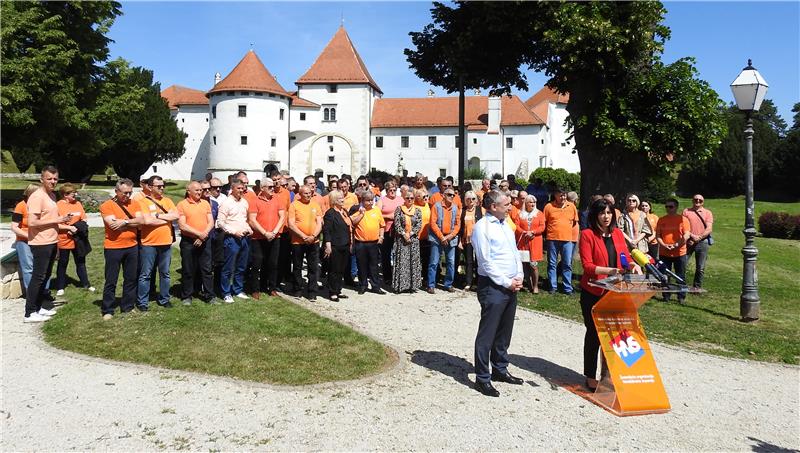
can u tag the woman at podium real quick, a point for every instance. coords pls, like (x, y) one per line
(604, 253)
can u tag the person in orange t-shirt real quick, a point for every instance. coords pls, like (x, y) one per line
(158, 212)
(421, 198)
(196, 221)
(121, 219)
(305, 224)
(560, 218)
(368, 232)
(672, 232)
(283, 196)
(267, 217)
(66, 243)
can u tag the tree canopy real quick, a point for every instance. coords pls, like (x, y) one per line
(631, 114)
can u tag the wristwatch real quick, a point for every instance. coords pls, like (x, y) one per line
(156, 215)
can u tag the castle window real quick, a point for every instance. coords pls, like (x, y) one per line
(280, 115)
(273, 142)
(231, 93)
(509, 142)
(330, 148)
(302, 117)
(245, 93)
(214, 138)
(432, 142)
(404, 141)
(474, 141)
(457, 142)
(333, 88)
(443, 172)
(331, 159)
(379, 142)
(257, 93)
(243, 139)
(214, 112)
(329, 113)
(271, 95)
(242, 111)
(542, 141)
(330, 139)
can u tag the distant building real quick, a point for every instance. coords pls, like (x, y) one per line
(337, 121)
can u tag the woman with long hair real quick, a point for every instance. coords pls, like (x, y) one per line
(530, 227)
(601, 246)
(407, 274)
(652, 219)
(634, 225)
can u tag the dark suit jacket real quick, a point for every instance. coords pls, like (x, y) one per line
(334, 229)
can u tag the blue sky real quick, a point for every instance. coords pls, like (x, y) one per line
(185, 43)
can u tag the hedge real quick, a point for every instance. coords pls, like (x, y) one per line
(781, 225)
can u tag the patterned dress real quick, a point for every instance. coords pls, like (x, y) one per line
(407, 273)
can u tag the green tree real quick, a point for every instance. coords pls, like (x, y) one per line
(631, 114)
(52, 54)
(135, 121)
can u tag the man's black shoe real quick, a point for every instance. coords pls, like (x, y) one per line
(487, 389)
(378, 291)
(167, 305)
(507, 378)
(342, 296)
(362, 290)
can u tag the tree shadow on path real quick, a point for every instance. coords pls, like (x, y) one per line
(442, 362)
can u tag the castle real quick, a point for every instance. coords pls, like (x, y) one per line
(337, 121)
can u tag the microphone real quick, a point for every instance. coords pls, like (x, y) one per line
(623, 262)
(643, 260)
(662, 266)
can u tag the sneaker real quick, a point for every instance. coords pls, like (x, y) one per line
(166, 304)
(242, 296)
(214, 301)
(142, 308)
(60, 292)
(228, 300)
(35, 317)
(108, 316)
(46, 312)
(187, 302)
(91, 289)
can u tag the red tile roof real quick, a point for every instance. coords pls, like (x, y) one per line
(297, 101)
(250, 75)
(538, 102)
(443, 112)
(339, 62)
(177, 95)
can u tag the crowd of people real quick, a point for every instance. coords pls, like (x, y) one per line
(303, 238)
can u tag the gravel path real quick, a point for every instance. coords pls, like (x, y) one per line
(54, 400)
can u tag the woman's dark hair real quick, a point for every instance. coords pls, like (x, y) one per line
(595, 209)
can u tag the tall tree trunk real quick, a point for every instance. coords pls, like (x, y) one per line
(462, 140)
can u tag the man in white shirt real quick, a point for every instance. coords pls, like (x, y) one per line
(500, 277)
(232, 220)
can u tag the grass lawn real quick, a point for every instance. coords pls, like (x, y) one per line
(270, 340)
(710, 322)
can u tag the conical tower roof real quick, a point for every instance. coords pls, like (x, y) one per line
(250, 75)
(339, 62)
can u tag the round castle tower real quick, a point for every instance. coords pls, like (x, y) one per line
(249, 121)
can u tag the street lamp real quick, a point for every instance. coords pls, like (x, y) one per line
(749, 89)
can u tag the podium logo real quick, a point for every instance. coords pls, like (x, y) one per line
(627, 348)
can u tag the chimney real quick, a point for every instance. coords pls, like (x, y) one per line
(493, 126)
(217, 78)
(477, 92)
(431, 93)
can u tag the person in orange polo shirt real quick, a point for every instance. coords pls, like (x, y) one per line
(196, 221)
(283, 197)
(266, 217)
(66, 242)
(444, 228)
(158, 212)
(672, 232)
(560, 218)
(305, 223)
(121, 219)
(437, 197)
(369, 226)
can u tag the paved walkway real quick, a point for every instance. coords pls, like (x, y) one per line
(54, 400)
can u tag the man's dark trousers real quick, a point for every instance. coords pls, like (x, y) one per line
(311, 254)
(194, 259)
(367, 257)
(498, 307)
(43, 258)
(129, 259)
(264, 267)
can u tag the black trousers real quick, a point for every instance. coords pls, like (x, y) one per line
(61, 269)
(337, 266)
(311, 253)
(285, 259)
(368, 257)
(43, 258)
(128, 258)
(591, 342)
(194, 259)
(386, 256)
(469, 264)
(678, 265)
(264, 269)
(425, 259)
(498, 308)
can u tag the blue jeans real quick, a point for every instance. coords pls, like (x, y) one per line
(564, 248)
(437, 249)
(237, 253)
(25, 258)
(700, 252)
(153, 256)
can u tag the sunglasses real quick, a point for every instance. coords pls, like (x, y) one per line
(126, 193)
(215, 187)
(449, 195)
(670, 206)
(206, 189)
(157, 187)
(269, 187)
(409, 198)
(632, 201)
(698, 200)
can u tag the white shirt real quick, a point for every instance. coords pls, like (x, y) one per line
(496, 250)
(220, 199)
(232, 216)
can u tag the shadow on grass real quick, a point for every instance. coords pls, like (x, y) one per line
(712, 312)
(442, 362)
(555, 375)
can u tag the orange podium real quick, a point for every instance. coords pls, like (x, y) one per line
(632, 385)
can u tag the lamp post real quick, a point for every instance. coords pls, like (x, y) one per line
(749, 89)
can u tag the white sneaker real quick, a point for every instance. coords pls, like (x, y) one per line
(91, 289)
(60, 292)
(46, 312)
(35, 317)
(242, 296)
(228, 300)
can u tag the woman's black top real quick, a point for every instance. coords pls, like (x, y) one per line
(611, 250)
(334, 229)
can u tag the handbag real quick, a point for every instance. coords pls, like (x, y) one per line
(524, 255)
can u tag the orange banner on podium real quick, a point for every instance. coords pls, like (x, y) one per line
(633, 385)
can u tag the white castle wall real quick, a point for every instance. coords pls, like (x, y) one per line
(193, 120)
(558, 147)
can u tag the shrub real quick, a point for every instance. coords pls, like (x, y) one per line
(779, 225)
(474, 173)
(658, 187)
(558, 177)
(497, 176)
